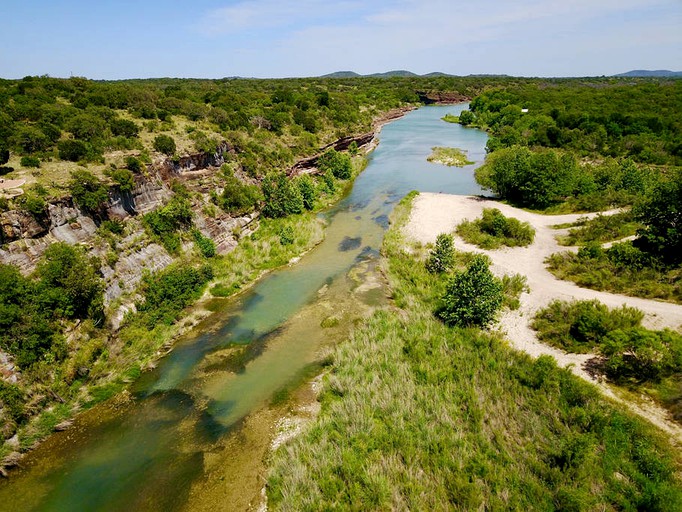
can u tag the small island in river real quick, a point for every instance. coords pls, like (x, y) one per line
(449, 156)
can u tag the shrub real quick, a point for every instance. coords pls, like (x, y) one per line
(133, 164)
(70, 282)
(124, 178)
(124, 128)
(33, 203)
(641, 355)
(286, 235)
(237, 198)
(582, 325)
(472, 297)
(308, 191)
(73, 150)
(165, 144)
(493, 229)
(165, 221)
(338, 163)
(30, 161)
(205, 244)
(167, 292)
(281, 196)
(442, 257)
(88, 191)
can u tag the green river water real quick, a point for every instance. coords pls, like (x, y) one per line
(149, 451)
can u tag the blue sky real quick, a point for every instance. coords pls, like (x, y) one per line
(269, 38)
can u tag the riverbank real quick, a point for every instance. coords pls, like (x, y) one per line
(420, 416)
(236, 272)
(433, 214)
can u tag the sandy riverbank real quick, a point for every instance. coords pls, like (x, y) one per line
(440, 213)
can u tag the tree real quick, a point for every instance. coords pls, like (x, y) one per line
(4, 156)
(338, 163)
(281, 196)
(124, 178)
(70, 282)
(442, 257)
(308, 191)
(165, 144)
(72, 150)
(661, 213)
(472, 297)
(124, 128)
(87, 191)
(466, 117)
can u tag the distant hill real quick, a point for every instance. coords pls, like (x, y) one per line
(341, 74)
(389, 74)
(642, 73)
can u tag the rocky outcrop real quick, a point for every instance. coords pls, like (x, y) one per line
(169, 168)
(441, 97)
(147, 195)
(17, 224)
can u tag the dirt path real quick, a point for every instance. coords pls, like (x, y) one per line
(433, 214)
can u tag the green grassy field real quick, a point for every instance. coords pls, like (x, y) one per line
(419, 416)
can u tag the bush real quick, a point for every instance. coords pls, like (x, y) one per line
(641, 355)
(237, 198)
(472, 297)
(580, 326)
(442, 257)
(205, 244)
(281, 196)
(124, 128)
(73, 150)
(164, 222)
(124, 179)
(169, 291)
(493, 229)
(338, 163)
(286, 235)
(30, 161)
(88, 191)
(133, 164)
(70, 282)
(165, 144)
(308, 191)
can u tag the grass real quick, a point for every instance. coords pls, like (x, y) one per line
(493, 230)
(419, 416)
(593, 267)
(451, 157)
(450, 118)
(647, 362)
(602, 228)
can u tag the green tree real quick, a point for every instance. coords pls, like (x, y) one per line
(165, 144)
(124, 128)
(338, 163)
(281, 196)
(88, 191)
(442, 257)
(466, 117)
(472, 297)
(661, 213)
(72, 150)
(70, 282)
(124, 179)
(308, 191)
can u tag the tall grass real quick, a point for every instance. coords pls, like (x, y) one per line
(420, 416)
(602, 228)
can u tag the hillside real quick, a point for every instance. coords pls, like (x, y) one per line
(645, 73)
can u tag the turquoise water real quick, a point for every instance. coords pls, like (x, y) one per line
(146, 455)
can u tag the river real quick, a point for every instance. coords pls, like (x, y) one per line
(152, 449)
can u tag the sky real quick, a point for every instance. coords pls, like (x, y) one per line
(105, 39)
